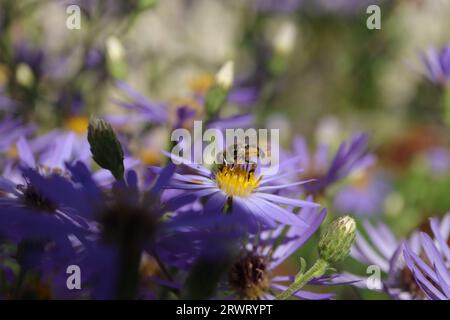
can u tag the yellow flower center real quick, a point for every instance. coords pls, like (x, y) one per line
(361, 180)
(150, 157)
(77, 124)
(237, 181)
(201, 83)
(12, 153)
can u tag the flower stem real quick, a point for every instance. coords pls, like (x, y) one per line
(317, 270)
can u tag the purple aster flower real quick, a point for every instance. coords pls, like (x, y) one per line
(239, 190)
(365, 195)
(94, 58)
(126, 222)
(252, 275)
(75, 217)
(146, 111)
(431, 268)
(352, 155)
(143, 110)
(11, 130)
(243, 95)
(35, 218)
(437, 62)
(383, 250)
(46, 153)
(49, 153)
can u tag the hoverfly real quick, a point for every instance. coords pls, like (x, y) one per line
(240, 154)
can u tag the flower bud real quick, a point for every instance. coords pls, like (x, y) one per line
(24, 75)
(115, 54)
(217, 94)
(106, 149)
(336, 241)
(225, 76)
(114, 49)
(284, 40)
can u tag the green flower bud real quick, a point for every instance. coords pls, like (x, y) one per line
(106, 149)
(115, 57)
(215, 98)
(217, 95)
(336, 241)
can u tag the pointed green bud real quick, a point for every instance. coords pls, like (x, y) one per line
(106, 149)
(336, 241)
(115, 57)
(217, 95)
(225, 76)
(283, 44)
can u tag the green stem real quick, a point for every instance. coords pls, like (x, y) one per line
(317, 270)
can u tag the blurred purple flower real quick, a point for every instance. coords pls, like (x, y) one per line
(438, 160)
(126, 222)
(34, 216)
(385, 252)
(146, 111)
(11, 130)
(365, 196)
(437, 62)
(352, 155)
(94, 58)
(431, 268)
(143, 110)
(50, 152)
(243, 96)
